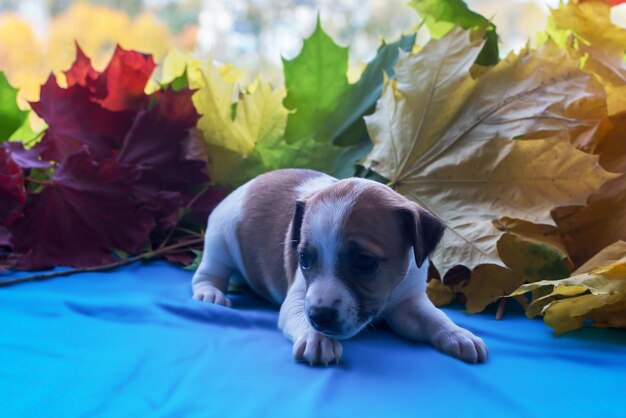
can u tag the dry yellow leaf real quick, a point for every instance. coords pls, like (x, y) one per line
(596, 290)
(588, 229)
(487, 284)
(438, 293)
(612, 147)
(529, 251)
(600, 45)
(443, 139)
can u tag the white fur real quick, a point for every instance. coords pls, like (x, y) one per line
(310, 187)
(413, 283)
(329, 293)
(222, 254)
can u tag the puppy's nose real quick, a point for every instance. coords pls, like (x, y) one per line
(322, 318)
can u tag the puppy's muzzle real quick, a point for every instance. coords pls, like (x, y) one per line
(324, 319)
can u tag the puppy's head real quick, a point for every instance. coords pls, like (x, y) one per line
(353, 241)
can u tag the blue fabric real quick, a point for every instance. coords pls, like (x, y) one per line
(132, 343)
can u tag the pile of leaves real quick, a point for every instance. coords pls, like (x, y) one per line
(523, 158)
(114, 168)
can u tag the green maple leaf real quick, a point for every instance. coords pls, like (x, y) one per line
(345, 125)
(440, 16)
(10, 115)
(315, 80)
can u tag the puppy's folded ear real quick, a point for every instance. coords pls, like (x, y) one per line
(296, 223)
(424, 231)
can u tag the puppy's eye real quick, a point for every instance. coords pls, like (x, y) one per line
(305, 260)
(365, 264)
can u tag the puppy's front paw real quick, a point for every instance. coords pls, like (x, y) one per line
(462, 344)
(212, 295)
(317, 349)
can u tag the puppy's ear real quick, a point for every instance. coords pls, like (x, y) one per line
(424, 230)
(296, 223)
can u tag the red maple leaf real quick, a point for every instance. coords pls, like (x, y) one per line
(86, 210)
(76, 122)
(81, 72)
(121, 85)
(12, 191)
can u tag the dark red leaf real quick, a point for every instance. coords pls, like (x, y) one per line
(205, 204)
(156, 147)
(88, 210)
(124, 164)
(5, 237)
(12, 191)
(76, 123)
(156, 138)
(121, 85)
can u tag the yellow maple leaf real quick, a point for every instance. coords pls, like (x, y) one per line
(438, 293)
(588, 229)
(599, 43)
(597, 290)
(230, 133)
(443, 139)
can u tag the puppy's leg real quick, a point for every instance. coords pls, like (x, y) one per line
(309, 345)
(417, 319)
(210, 282)
(210, 289)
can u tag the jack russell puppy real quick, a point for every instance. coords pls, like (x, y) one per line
(336, 255)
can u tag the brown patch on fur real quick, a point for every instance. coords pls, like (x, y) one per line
(264, 232)
(374, 228)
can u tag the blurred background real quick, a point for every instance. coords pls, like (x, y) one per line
(37, 36)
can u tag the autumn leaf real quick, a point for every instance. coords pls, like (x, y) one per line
(598, 44)
(77, 121)
(596, 292)
(443, 139)
(12, 117)
(438, 293)
(315, 81)
(259, 114)
(531, 253)
(586, 230)
(441, 16)
(12, 191)
(88, 209)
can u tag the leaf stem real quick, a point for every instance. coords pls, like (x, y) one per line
(501, 308)
(104, 267)
(39, 182)
(188, 206)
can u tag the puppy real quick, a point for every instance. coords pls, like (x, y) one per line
(336, 255)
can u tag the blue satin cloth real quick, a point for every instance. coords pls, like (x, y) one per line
(132, 343)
